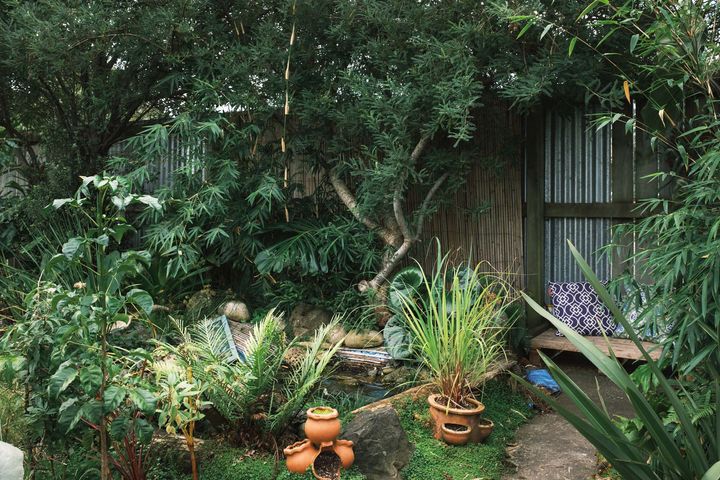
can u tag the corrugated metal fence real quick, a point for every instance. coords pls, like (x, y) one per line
(577, 170)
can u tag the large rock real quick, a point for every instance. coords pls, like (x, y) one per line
(336, 335)
(305, 319)
(236, 311)
(11, 462)
(381, 446)
(366, 339)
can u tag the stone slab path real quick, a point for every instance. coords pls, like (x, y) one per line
(549, 448)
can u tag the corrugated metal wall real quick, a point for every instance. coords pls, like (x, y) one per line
(179, 154)
(577, 170)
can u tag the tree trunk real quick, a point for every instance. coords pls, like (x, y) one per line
(395, 232)
(193, 462)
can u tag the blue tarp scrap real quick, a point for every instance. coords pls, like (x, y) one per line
(540, 377)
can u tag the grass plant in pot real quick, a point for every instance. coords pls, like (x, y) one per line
(457, 335)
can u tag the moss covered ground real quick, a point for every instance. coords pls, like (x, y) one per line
(432, 459)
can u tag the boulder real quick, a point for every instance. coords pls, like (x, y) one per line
(173, 449)
(336, 334)
(366, 339)
(236, 311)
(11, 462)
(306, 319)
(381, 446)
(201, 299)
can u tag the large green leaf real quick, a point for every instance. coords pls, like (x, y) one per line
(71, 247)
(61, 379)
(141, 299)
(90, 378)
(113, 397)
(713, 472)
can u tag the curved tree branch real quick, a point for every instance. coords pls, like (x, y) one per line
(346, 196)
(426, 204)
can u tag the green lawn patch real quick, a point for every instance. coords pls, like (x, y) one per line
(434, 459)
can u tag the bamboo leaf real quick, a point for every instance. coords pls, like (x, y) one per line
(571, 47)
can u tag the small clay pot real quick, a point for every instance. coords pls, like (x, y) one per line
(441, 414)
(300, 455)
(484, 427)
(322, 425)
(455, 433)
(322, 473)
(344, 450)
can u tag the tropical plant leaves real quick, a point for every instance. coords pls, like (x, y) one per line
(62, 379)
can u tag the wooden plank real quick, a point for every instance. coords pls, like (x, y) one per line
(622, 347)
(594, 210)
(426, 389)
(535, 222)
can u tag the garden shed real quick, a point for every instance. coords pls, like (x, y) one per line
(580, 181)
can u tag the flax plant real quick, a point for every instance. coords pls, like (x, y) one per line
(454, 322)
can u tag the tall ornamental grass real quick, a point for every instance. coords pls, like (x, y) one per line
(454, 322)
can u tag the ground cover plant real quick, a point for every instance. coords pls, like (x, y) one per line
(431, 459)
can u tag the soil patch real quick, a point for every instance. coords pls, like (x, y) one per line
(327, 466)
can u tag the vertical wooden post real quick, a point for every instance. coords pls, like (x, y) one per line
(622, 188)
(535, 220)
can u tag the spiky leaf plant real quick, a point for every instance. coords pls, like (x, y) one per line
(687, 447)
(454, 325)
(258, 391)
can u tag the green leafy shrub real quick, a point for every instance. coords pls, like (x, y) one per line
(255, 393)
(60, 352)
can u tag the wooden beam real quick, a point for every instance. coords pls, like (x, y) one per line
(594, 210)
(535, 221)
(623, 348)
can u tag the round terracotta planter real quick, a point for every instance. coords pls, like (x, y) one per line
(455, 434)
(300, 455)
(440, 414)
(322, 427)
(344, 450)
(484, 427)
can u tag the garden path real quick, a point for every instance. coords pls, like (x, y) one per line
(549, 448)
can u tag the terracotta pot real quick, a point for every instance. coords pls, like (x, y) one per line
(484, 427)
(322, 427)
(344, 450)
(455, 434)
(441, 414)
(327, 449)
(300, 455)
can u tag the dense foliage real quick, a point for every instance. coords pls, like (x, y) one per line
(293, 152)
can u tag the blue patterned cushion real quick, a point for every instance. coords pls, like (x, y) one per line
(577, 305)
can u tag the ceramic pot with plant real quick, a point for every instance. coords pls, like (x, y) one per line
(457, 336)
(456, 433)
(300, 455)
(322, 425)
(484, 427)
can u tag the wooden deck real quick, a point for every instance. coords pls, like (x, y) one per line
(622, 348)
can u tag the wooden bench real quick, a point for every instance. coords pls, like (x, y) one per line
(623, 348)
